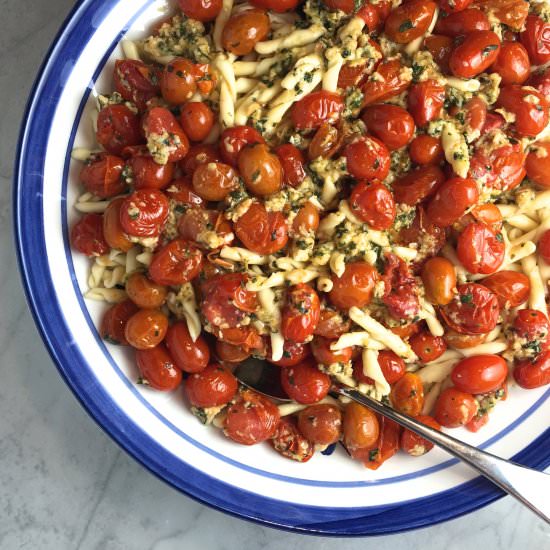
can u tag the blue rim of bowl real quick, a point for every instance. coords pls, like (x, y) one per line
(32, 257)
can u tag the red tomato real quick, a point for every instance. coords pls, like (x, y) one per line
(425, 101)
(157, 369)
(278, 6)
(451, 200)
(477, 422)
(181, 190)
(214, 181)
(176, 263)
(304, 383)
(260, 170)
(147, 174)
(463, 341)
(543, 246)
(113, 324)
(201, 10)
(540, 80)
(367, 158)
(252, 419)
(532, 326)
(230, 353)
(321, 424)
(440, 46)
(361, 427)
(427, 346)
(178, 81)
(489, 214)
(206, 78)
(533, 374)
(473, 310)
(195, 221)
(369, 14)
(511, 13)
(384, 448)
(233, 140)
(392, 366)
(409, 21)
(347, 6)
(374, 204)
(102, 175)
(400, 289)
(480, 249)
(188, 355)
(332, 324)
(163, 131)
(512, 63)
(146, 329)
(415, 445)
(262, 231)
(391, 124)
(529, 106)
(439, 278)
(355, 287)
(199, 154)
(87, 235)
(537, 164)
(479, 374)
(112, 228)
(143, 292)
(246, 337)
(144, 213)
(300, 313)
(407, 395)
(326, 142)
(476, 114)
(289, 442)
(426, 149)
(293, 163)
(455, 408)
(476, 54)
(352, 74)
(510, 287)
(136, 82)
(316, 108)
(212, 387)
(320, 348)
(536, 39)
(117, 128)
(462, 23)
(293, 354)
(418, 184)
(492, 122)
(197, 120)
(452, 6)
(391, 82)
(244, 30)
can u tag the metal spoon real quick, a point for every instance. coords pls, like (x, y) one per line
(530, 487)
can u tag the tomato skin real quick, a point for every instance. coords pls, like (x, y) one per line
(146, 329)
(102, 176)
(400, 289)
(289, 441)
(540, 80)
(392, 366)
(477, 53)
(367, 159)
(316, 108)
(176, 263)
(157, 368)
(194, 222)
(262, 231)
(512, 63)
(538, 166)
(361, 427)
(147, 174)
(261, 170)
(439, 278)
(531, 118)
(473, 310)
(135, 81)
(488, 214)
(390, 84)
(230, 353)
(144, 213)
(331, 324)
(543, 246)
(425, 101)
(533, 326)
(479, 374)
(112, 228)
(189, 356)
(278, 6)
(244, 30)
(252, 419)
(293, 354)
(455, 408)
(480, 250)
(326, 142)
(391, 124)
(453, 6)
(117, 128)
(415, 445)
(511, 13)
(510, 287)
(113, 324)
(201, 10)
(533, 374)
(320, 348)
(425, 149)
(300, 314)
(409, 21)
(177, 82)
(293, 164)
(87, 235)
(477, 422)
(347, 6)
(181, 190)
(374, 204)
(355, 287)
(197, 155)
(536, 39)
(440, 46)
(427, 347)
(212, 387)
(407, 395)
(144, 292)
(233, 140)
(451, 200)
(321, 424)
(214, 181)
(306, 220)
(418, 184)
(383, 449)
(304, 383)
(159, 122)
(463, 341)
(462, 23)
(197, 120)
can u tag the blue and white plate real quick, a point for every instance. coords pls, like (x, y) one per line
(330, 494)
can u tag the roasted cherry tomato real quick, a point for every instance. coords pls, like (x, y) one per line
(230, 353)
(355, 287)
(347, 6)
(178, 82)
(197, 120)
(391, 124)
(462, 23)
(293, 354)
(306, 221)
(480, 249)
(536, 39)
(426, 149)
(451, 200)
(278, 6)
(201, 10)
(392, 366)
(511, 13)
(146, 329)
(479, 374)
(537, 164)
(233, 140)
(407, 395)
(112, 228)
(181, 190)
(208, 228)
(418, 184)
(293, 163)
(512, 63)
(113, 324)
(400, 289)
(144, 292)
(214, 181)
(407, 330)
(323, 354)
(473, 310)
(136, 82)
(455, 408)
(262, 231)
(440, 46)
(176, 263)
(540, 80)
(197, 155)
(289, 441)
(300, 314)
(326, 142)
(409, 21)
(145, 173)
(415, 445)
(476, 54)
(439, 278)
(510, 287)
(252, 419)
(532, 327)
(451, 6)
(427, 346)
(477, 422)
(367, 158)
(332, 324)
(321, 424)
(488, 214)
(246, 337)
(361, 427)
(188, 354)
(261, 170)
(463, 341)
(87, 235)
(529, 106)
(244, 30)
(383, 449)
(304, 383)
(316, 108)
(543, 246)
(425, 101)
(102, 175)
(389, 83)
(212, 387)
(157, 369)
(166, 139)
(374, 204)
(533, 374)
(144, 213)
(117, 128)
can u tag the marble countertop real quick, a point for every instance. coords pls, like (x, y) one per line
(63, 483)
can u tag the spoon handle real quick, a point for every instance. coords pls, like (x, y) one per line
(530, 487)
